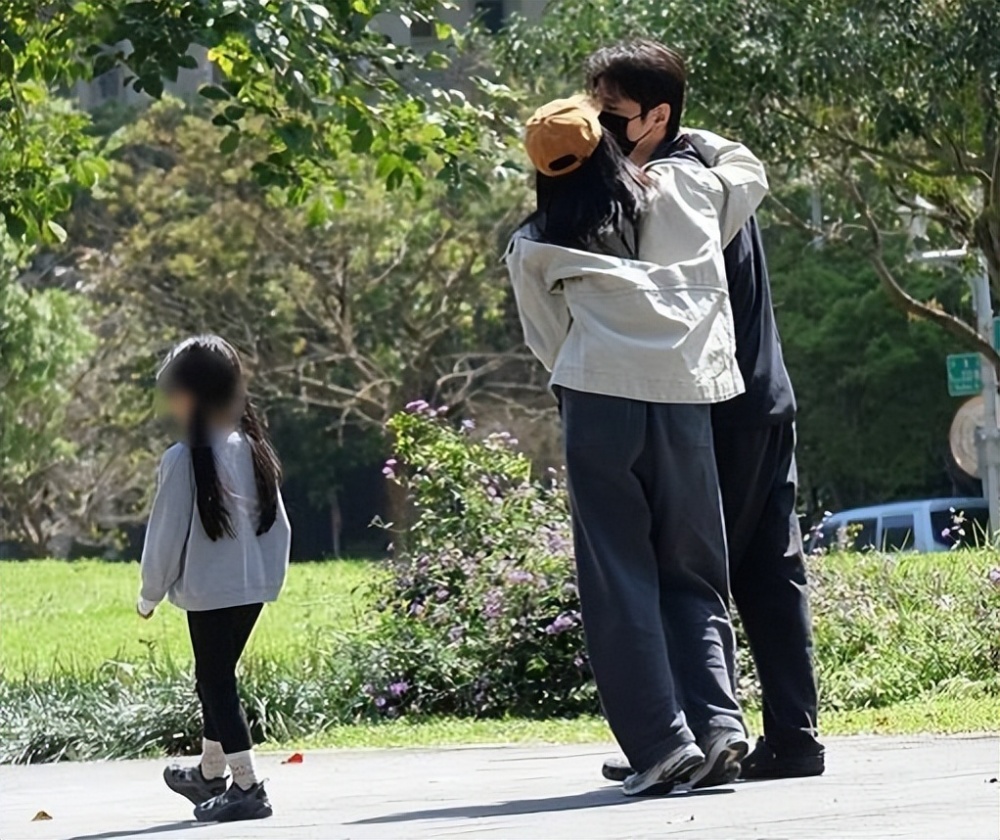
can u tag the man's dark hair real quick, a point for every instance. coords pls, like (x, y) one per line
(645, 71)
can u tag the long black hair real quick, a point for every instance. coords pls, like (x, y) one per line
(596, 207)
(209, 369)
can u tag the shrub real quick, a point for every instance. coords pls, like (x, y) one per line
(480, 616)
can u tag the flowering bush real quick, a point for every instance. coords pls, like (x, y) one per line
(480, 615)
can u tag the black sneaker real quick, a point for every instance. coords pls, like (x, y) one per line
(616, 769)
(724, 750)
(189, 782)
(235, 804)
(764, 763)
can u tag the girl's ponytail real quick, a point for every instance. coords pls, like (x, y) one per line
(266, 467)
(211, 507)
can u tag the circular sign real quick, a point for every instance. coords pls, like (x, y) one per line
(962, 436)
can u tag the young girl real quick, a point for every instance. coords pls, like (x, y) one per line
(217, 547)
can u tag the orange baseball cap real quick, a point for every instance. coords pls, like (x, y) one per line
(561, 135)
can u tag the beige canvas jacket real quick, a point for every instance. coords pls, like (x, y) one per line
(658, 329)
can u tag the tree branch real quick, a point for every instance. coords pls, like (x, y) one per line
(904, 300)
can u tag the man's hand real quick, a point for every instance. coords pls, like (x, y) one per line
(145, 609)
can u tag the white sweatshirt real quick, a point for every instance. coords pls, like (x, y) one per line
(659, 329)
(179, 561)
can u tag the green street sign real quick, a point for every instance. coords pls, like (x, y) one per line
(965, 378)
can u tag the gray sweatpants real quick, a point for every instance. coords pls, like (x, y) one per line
(651, 560)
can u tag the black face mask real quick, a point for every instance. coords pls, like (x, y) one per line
(617, 126)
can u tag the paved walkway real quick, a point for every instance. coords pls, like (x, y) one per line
(874, 788)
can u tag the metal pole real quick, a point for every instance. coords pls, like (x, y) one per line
(991, 430)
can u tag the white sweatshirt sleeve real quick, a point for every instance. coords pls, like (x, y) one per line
(545, 317)
(169, 523)
(741, 173)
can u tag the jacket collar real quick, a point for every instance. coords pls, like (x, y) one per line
(679, 148)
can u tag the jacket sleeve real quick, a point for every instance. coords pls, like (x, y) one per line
(545, 317)
(741, 174)
(169, 523)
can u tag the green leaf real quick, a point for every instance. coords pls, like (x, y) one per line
(58, 230)
(214, 92)
(317, 213)
(437, 60)
(153, 85)
(16, 226)
(229, 143)
(6, 62)
(362, 139)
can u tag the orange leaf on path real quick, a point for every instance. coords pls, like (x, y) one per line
(294, 758)
(41, 815)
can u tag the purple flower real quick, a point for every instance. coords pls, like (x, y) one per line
(468, 425)
(578, 661)
(389, 470)
(494, 603)
(418, 406)
(442, 594)
(417, 609)
(558, 544)
(441, 410)
(520, 576)
(456, 633)
(564, 622)
(380, 702)
(995, 577)
(398, 689)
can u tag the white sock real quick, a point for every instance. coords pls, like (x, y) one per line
(213, 759)
(242, 766)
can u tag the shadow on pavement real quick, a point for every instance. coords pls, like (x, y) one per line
(602, 798)
(139, 832)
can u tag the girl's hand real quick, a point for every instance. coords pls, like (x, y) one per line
(149, 610)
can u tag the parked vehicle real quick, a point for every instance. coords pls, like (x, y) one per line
(923, 525)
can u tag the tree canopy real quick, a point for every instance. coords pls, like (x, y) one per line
(294, 74)
(875, 104)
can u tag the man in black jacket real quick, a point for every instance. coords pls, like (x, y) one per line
(754, 436)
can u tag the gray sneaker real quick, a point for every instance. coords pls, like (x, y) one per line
(674, 769)
(724, 750)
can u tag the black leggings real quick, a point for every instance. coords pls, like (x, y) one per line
(218, 638)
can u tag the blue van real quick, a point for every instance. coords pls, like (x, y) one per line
(923, 525)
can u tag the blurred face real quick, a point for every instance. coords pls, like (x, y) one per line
(179, 405)
(637, 135)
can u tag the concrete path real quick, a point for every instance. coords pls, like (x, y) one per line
(874, 788)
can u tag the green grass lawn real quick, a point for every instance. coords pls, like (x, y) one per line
(57, 616)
